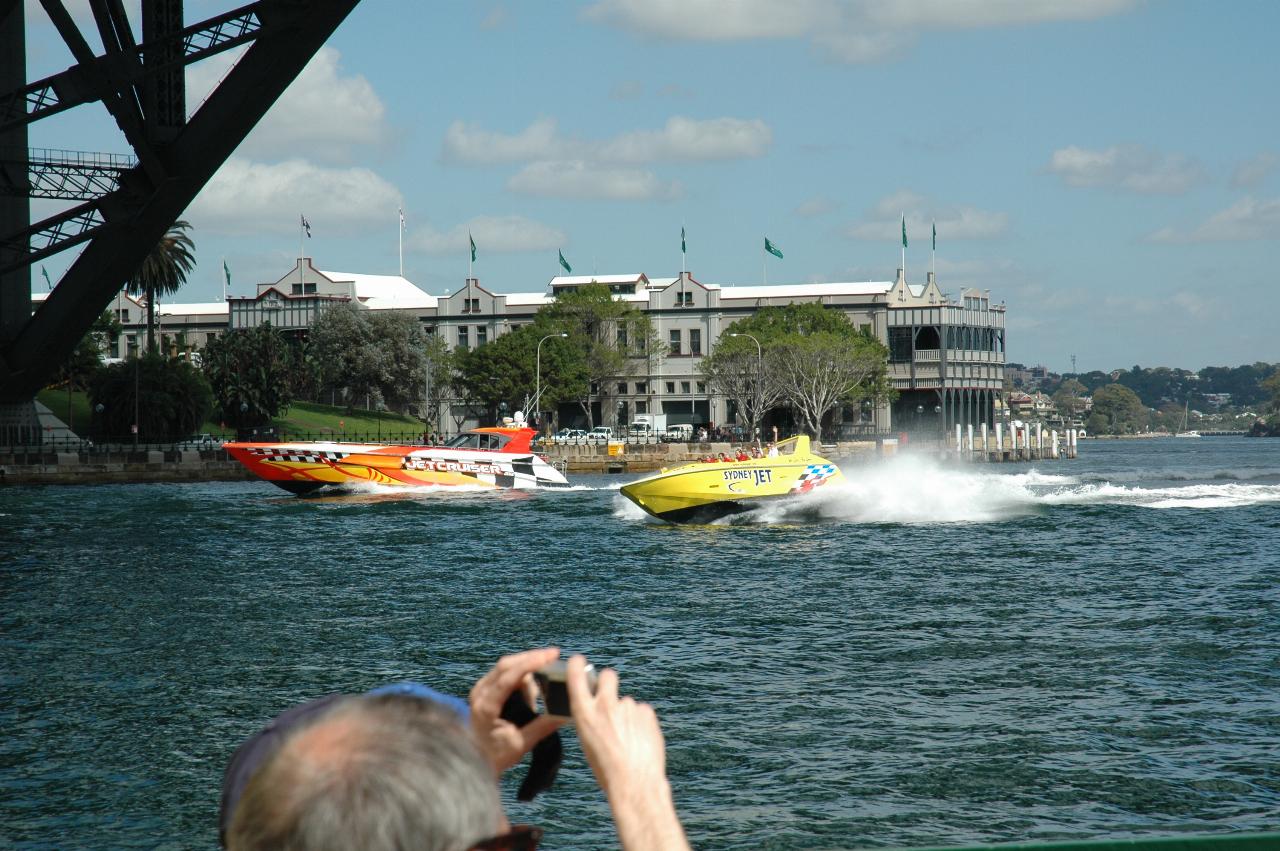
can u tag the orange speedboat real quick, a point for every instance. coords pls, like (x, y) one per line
(499, 457)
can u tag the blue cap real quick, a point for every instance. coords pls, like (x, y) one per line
(457, 704)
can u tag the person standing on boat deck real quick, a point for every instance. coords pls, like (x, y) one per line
(407, 767)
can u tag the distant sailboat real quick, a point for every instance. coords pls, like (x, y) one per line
(1186, 413)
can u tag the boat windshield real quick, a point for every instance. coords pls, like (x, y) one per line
(792, 445)
(478, 440)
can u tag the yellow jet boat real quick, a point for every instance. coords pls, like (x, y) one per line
(707, 490)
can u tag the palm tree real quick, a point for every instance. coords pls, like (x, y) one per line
(163, 272)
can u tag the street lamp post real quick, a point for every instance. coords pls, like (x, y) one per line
(537, 387)
(759, 370)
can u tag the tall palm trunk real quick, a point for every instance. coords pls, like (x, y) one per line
(151, 320)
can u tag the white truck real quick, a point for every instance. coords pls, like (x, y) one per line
(653, 426)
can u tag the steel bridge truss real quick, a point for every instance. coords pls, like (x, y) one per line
(125, 204)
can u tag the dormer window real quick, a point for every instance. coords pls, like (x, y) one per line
(684, 299)
(471, 305)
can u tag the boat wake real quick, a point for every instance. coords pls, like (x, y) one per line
(913, 490)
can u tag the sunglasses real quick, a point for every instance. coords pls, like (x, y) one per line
(521, 837)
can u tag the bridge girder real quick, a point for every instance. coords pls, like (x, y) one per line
(142, 86)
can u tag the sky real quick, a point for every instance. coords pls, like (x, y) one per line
(1109, 169)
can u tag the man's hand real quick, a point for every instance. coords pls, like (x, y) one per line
(503, 743)
(624, 746)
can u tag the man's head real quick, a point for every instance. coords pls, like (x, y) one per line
(372, 772)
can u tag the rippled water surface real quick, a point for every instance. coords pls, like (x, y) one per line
(934, 654)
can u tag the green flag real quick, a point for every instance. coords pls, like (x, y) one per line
(564, 264)
(682, 247)
(473, 246)
(226, 272)
(772, 249)
(45, 272)
(904, 231)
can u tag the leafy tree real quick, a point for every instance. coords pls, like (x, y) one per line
(163, 272)
(820, 371)
(251, 374)
(814, 359)
(1116, 410)
(1068, 397)
(503, 372)
(402, 344)
(612, 338)
(380, 356)
(85, 359)
(1271, 386)
(439, 381)
(738, 371)
(172, 399)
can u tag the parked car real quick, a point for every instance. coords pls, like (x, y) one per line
(569, 435)
(600, 434)
(200, 441)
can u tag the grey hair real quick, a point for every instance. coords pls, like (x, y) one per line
(385, 773)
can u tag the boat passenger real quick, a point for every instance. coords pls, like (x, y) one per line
(743, 456)
(756, 453)
(724, 458)
(773, 451)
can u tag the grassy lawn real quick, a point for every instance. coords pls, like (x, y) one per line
(76, 415)
(305, 417)
(325, 421)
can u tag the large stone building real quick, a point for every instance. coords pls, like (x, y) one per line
(946, 355)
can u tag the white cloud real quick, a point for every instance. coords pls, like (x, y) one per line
(493, 234)
(709, 20)
(846, 30)
(324, 115)
(246, 198)
(1247, 219)
(954, 221)
(976, 14)
(1251, 173)
(1131, 167)
(578, 179)
(819, 205)
(681, 139)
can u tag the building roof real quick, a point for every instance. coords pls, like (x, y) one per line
(207, 308)
(514, 299)
(385, 292)
(581, 280)
(807, 290)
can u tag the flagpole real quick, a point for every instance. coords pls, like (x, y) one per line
(682, 250)
(224, 278)
(933, 254)
(764, 266)
(402, 242)
(904, 250)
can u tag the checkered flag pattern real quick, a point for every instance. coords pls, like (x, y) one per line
(813, 475)
(299, 456)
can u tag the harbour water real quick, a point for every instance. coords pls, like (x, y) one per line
(934, 654)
